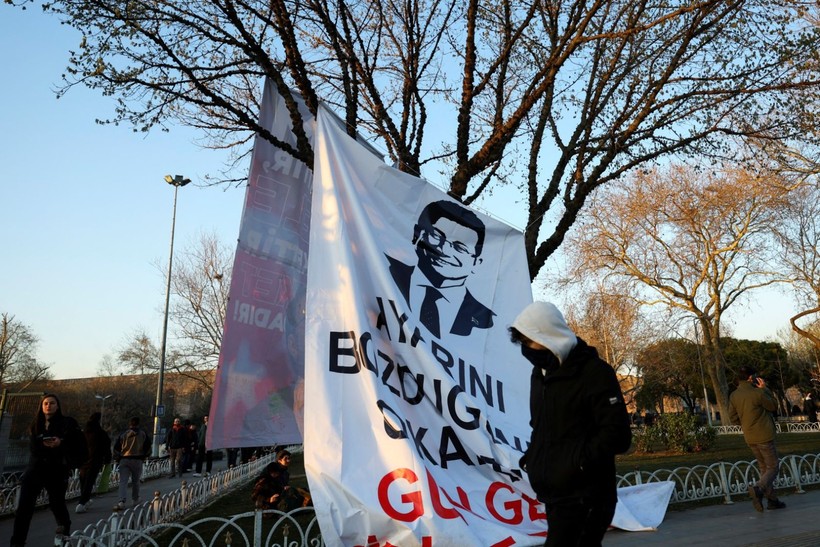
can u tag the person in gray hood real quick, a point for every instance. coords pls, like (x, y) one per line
(579, 423)
(130, 450)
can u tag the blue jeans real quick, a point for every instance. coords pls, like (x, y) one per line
(130, 468)
(766, 456)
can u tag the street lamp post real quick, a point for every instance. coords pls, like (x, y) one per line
(177, 182)
(102, 407)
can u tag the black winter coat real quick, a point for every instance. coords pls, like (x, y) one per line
(579, 422)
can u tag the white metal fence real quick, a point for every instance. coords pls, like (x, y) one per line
(156, 522)
(148, 525)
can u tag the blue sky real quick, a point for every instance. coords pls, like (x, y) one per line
(84, 208)
(86, 215)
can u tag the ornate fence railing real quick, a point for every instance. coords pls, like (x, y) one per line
(780, 427)
(10, 489)
(154, 523)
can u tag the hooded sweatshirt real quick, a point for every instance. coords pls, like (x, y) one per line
(577, 413)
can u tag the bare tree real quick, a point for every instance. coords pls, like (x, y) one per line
(551, 98)
(18, 354)
(798, 234)
(107, 366)
(139, 355)
(200, 283)
(696, 242)
(615, 327)
(610, 322)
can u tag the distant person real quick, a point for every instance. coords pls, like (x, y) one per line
(189, 454)
(202, 455)
(130, 450)
(176, 440)
(233, 457)
(99, 455)
(579, 423)
(809, 408)
(448, 240)
(267, 489)
(751, 405)
(57, 445)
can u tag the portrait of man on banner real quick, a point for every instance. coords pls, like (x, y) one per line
(448, 240)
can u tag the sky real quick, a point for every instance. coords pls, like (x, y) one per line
(86, 214)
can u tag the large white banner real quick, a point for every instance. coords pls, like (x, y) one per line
(258, 392)
(416, 402)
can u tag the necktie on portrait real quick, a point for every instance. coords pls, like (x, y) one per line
(429, 310)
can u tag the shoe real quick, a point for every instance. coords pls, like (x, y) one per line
(89, 503)
(197, 474)
(80, 508)
(757, 498)
(775, 504)
(171, 476)
(120, 505)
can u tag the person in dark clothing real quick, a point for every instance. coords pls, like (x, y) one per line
(203, 455)
(268, 489)
(751, 405)
(99, 454)
(57, 444)
(579, 423)
(177, 441)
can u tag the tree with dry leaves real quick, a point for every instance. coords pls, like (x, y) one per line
(693, 241)
(550, 98)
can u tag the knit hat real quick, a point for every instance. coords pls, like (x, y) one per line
(542, 322)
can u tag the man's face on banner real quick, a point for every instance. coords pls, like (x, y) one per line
(447, 252)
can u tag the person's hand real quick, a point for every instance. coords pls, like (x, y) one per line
(51, 442)
(273, 498)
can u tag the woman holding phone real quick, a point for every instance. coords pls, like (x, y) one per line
(57, 445)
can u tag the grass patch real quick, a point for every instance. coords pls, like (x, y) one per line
(728, 448)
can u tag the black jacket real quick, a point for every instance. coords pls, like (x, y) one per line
(579, 422)
(99, 446)
(72, 452)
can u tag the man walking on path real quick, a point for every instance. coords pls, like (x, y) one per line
(201, 453)
(751, 405)
(130, 450)
(176, 441)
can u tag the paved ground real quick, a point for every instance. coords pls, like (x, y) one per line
(732, 525)
(798, 525)
(41, 533)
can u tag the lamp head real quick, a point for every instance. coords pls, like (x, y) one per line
(177, 180)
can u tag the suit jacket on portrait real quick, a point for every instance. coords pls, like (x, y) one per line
(471, 313)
